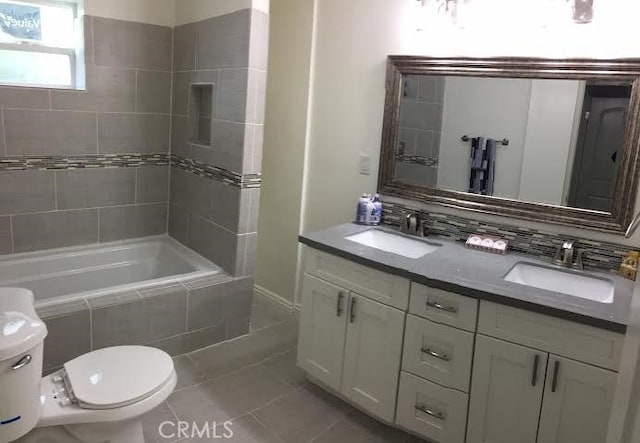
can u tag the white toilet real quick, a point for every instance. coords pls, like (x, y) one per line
(98, 397)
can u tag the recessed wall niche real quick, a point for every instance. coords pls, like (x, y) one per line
(200, 113)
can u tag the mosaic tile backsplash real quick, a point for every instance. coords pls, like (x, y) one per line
(598, 256)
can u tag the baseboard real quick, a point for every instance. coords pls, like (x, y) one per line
(276, 298)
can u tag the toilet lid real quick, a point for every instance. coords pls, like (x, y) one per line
(118, 376)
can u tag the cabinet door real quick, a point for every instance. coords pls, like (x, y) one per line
(323, 322)
(506, 392)
(577, 402)
(372, 356)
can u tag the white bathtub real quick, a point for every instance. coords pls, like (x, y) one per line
(91, 271)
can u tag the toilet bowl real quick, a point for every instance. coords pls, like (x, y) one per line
(98, 397)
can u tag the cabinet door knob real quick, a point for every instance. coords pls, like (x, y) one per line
(556, 369)
(353, 310)
(441, 307)
(534, 377)
(436, 354)
(431, 412)
(339, 304)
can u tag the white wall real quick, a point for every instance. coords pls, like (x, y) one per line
(549, 139)
(188, 11)
(157, 12)
(487, 107)
(284, 145)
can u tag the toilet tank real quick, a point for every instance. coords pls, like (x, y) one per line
(22, 335)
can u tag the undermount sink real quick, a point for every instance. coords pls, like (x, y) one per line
(565, 282)
(394, 243)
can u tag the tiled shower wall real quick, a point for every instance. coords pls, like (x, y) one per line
(80, 167)
(215, 184)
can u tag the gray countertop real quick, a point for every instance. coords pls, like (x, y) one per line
(478, 274)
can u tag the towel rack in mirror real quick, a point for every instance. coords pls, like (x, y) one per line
(504, 141)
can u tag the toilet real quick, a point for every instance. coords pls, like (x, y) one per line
(98, 397)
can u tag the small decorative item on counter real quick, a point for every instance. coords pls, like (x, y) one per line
(487, 244)
(369, 210)
(629, 266)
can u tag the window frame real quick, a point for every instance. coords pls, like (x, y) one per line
(40, 48)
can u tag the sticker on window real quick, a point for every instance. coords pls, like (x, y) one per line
(19, 22)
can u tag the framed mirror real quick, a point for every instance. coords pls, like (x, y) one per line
(548, 140)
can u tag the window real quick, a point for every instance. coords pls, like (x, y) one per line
(39, 43)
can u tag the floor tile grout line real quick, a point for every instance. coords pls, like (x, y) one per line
(276, 436)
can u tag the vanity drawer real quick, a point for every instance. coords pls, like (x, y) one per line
(444, 307)
(437, 413)
(580, 342)
(438, 353)
(386, 288)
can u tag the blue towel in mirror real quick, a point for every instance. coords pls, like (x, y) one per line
(482, 166)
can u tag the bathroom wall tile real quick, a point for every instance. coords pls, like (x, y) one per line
(127, 44)
(24, 98)
(191, 341)
(228, 140)
(32, 232)
(179, 223)
(89, 53)
(225, 203)
(231, 95)
(237, 327)
(90, 188)
(215, 243)
(6, 246)
(154, 92)
(26, 191)
(259, 40)
(184, 47)
(179, 136)
(133, 133)
(249, 208)
(223, 42)
(216, 303)
(253, 151)
(257, 89)
(121, 324)
(205, 282)
(181, 91)
(64, 307)
(152, 184)
(47, 133)
(165, 312)
(3, 150)
(108, 90)
(246, 254)
(69, 337)
(121, 222)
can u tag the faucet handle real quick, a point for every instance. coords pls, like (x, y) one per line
(579, 263)
(568, 244)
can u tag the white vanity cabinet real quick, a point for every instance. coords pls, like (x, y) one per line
(451, 368)
(352, 344)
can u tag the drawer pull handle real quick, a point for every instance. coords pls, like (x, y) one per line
(24, 361)
(441, 307)
(556, 369)
(534, 377)
(339, 304)
(353, 310)
(431, 412)
(435, 354)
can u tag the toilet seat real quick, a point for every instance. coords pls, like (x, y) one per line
(116, 377)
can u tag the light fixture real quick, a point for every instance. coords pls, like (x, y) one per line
(582, 11)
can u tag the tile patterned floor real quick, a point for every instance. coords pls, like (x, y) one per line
(253, 382)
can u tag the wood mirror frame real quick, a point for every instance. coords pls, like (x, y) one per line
(625, 70)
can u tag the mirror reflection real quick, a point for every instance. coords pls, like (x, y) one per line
(537, 140)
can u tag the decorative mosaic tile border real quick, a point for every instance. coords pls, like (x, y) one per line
(598, 255)
(430, 162)
(85, 161)
(247, 181)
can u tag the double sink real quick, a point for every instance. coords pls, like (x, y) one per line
(565, 281)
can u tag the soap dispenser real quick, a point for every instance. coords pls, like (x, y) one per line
(629, 266)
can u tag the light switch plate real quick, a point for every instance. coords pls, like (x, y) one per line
(365, 164)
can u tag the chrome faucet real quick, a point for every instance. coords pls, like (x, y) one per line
(414, 226)
(565, 256)
(633, 226)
